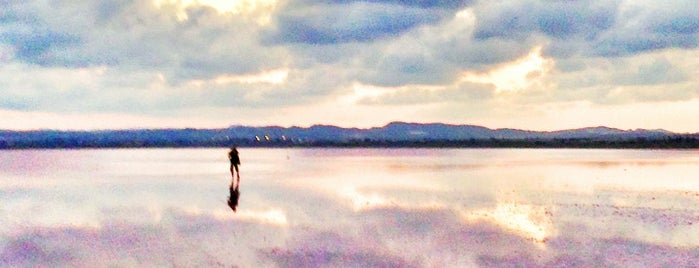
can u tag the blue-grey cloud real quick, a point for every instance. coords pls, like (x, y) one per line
(660, 71)
(416, 3)
(558, 19)
(349, 22)
(38, 48)
(601, 25)
(648, 27)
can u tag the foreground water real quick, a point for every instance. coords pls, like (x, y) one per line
(350, 207)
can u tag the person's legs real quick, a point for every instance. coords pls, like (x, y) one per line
(233, 175)
(237, 173)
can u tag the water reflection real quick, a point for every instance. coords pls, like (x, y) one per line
(531, 222)
(233, 196)
(357, 208)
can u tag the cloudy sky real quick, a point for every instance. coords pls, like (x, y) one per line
(539, 65)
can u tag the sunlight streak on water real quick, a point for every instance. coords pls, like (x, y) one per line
(364, 201)
(273, 216)
(528, 221)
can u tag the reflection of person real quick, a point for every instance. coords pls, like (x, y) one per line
(235, 162)
(233, 198)
(235, 174)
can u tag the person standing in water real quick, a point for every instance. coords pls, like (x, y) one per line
(235, 173)
(235, 162)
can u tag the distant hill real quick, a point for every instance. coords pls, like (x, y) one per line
(395, 134)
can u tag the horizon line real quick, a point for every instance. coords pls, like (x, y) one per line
(338, 126)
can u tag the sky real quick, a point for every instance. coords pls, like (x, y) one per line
(537, 65)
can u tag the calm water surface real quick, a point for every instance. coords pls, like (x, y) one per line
(350, 207)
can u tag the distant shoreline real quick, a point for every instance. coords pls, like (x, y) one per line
(678, 142)
(393, 135)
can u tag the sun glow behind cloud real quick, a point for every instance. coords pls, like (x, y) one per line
(274, 77)
(514, 76)
(260, 10)
(277, 76)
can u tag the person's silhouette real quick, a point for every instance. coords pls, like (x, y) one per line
(233, 189)
(235, 162)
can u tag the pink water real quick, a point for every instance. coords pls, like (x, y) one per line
(350, 207)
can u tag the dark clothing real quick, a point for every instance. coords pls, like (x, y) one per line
(233, 189)
(235, 159)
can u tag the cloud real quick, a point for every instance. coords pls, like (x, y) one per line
(139, 36)
(558, 19)
(349, 22)
(648, 26)
(155, 58)
(445, 4)
(651, 77)
(660, 71)
(461, 93)
(592, 27)
(37, 48)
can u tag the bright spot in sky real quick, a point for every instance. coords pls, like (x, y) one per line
(277, 76)
(517, 75)
(259, 9)
(274, 77)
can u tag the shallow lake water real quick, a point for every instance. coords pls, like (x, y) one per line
(350, 207)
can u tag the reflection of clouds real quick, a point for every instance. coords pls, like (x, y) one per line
(332, 249)
(364, 201)
(529, 221)
(362, 214)
(181, 239)
(408, 200)
(379, 237)
(274, 216)
(659, 226)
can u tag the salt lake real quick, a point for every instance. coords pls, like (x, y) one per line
(350, 207)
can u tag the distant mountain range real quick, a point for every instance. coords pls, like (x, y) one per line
(396, 134)
(401, 131)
